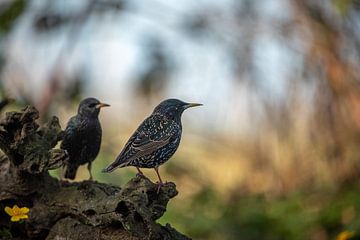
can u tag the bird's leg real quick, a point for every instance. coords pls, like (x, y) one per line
(157, 172)
(140, 173)
(161, 182)
(62, 173)
(89, 169)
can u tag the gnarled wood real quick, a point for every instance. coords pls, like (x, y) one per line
(79, 210)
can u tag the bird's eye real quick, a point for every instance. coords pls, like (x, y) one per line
(92, 105)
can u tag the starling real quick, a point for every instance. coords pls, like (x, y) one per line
(155, 140)
(82, 137)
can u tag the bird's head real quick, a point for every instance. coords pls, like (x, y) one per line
(173, 108)
(90, 107)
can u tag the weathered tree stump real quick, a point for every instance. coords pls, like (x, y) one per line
(63, 210)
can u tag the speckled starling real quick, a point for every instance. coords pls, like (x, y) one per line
(82, 138)
(155, 140)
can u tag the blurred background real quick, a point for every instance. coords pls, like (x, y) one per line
(274, 153)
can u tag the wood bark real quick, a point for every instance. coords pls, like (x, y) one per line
(64, 210)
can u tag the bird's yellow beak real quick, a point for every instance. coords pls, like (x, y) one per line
(189, 105)
(100, 105)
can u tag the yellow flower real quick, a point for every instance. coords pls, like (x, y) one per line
(345, 235)
(17, 213)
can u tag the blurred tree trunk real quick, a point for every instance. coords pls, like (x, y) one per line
(336, 116)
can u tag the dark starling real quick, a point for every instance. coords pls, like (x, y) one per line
(82, 137)
(155, 140)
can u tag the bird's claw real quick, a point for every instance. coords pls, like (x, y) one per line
(63, 182)
(159, 185)
(139, 174)
(158, 188)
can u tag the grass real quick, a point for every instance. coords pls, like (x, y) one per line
(297, 216)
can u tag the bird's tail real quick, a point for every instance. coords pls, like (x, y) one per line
(116, 164)
(70, 172)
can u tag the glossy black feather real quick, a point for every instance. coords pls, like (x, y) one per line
(155, 140)
(152, 144)
(82, 139)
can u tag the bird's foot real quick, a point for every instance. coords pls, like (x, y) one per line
(140, 175)
(159, 185)
(162, 183)
(63, 182)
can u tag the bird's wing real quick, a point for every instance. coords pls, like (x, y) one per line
(73, 139)
(70, 134)
(82, 140)
(154, 133)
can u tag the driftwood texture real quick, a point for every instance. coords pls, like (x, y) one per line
(63, 210)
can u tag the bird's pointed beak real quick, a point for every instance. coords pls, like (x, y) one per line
(100, 105)
(189, 105)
